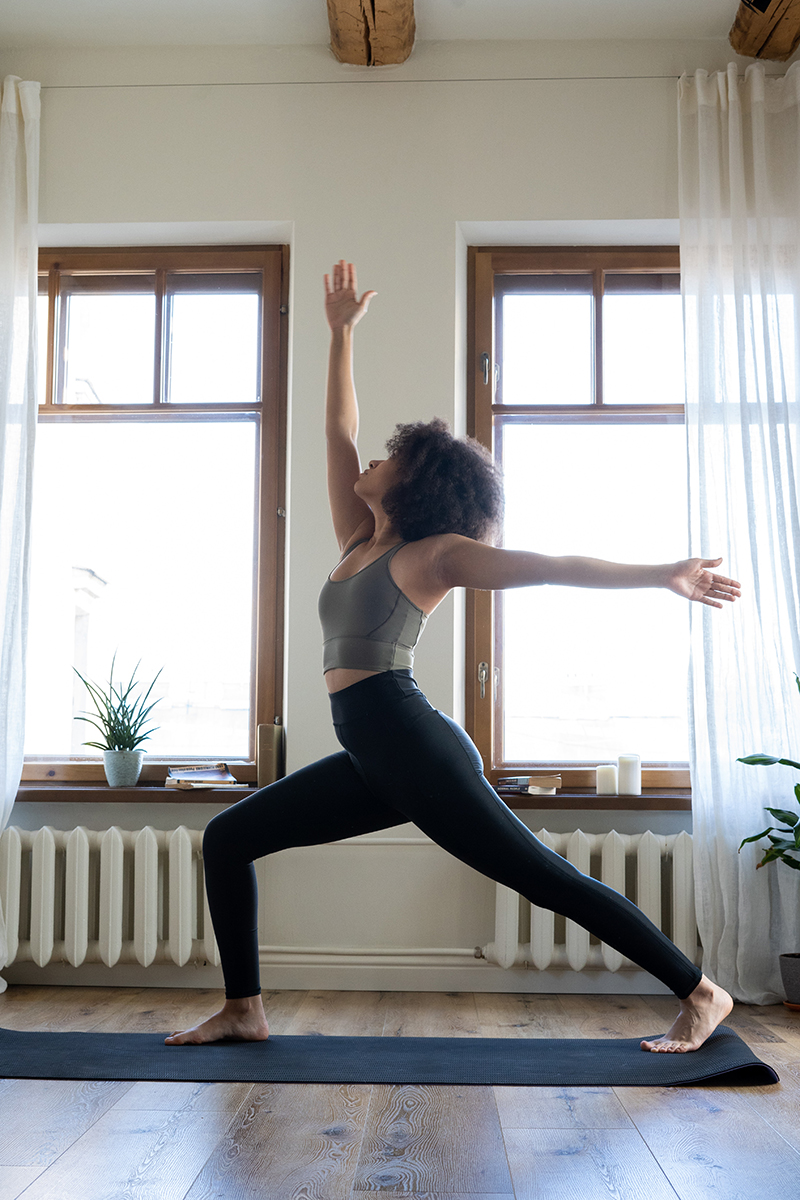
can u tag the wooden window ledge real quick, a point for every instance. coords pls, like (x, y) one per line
(674, 800)
(101, 793)
(657, 800)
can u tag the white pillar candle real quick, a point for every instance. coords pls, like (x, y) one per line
(607, 780)
(630, 775)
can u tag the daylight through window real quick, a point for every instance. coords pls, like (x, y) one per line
(158, 479)
(583, 408)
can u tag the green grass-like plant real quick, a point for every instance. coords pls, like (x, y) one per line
(120, 716)
(785, 841)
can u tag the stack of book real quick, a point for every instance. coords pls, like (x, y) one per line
(534, 785)
(188, 778)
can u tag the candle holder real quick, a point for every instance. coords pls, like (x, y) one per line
(630, 775)
(607, 779)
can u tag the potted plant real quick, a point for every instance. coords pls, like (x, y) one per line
(121, 717)
(785, 845)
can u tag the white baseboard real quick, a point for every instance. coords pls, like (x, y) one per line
(481, 977)
(459, 979)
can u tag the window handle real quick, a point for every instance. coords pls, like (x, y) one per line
(486, 364)
(483, 675)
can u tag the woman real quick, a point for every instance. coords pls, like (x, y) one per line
(410, 529)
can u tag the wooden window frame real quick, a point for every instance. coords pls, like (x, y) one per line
(270, 412)
(664, 786)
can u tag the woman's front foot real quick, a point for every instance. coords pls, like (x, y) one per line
(699, 1016)
(240, 1020)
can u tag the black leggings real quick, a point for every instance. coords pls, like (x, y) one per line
(405, 761)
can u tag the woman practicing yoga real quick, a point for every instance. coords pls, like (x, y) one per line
(410, 528)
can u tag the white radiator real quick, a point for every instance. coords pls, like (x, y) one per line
(113, 896)
(655, 871)
(137, 896)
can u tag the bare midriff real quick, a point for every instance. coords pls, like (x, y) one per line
(342, 677)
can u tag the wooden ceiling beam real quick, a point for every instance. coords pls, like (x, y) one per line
(766, 29)
(371, 33)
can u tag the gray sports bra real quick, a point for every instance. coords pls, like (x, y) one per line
(367, 622)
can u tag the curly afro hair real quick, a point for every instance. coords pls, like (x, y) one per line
(446, 484)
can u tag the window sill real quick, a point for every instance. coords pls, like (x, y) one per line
(101, 793)
(81, 773)
(655, 800)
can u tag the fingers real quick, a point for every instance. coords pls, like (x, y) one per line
(718, 591)
(724, 589)
(344, 277)
(714, 562)
(714, 596)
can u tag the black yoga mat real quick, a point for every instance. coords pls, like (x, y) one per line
(551, 1062)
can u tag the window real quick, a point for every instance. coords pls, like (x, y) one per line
(158, 498)
(577, 386)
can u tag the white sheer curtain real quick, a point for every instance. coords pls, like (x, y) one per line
(19, 187)
(740, 263)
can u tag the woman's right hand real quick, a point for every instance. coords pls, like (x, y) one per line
(342, 306)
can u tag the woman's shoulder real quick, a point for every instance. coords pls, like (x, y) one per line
(433, 546)
(422, 560)
(438, 544)
(420, 570)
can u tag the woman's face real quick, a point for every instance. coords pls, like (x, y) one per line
(374, 482)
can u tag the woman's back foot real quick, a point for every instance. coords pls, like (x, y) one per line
(240, 1020)
(699, 1016)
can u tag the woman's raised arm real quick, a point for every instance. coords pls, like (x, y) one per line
(343, 311)
(466, 563)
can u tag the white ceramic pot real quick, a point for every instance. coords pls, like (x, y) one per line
(122, 767)
(790, 974)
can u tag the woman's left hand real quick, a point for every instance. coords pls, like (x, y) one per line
(695, 579)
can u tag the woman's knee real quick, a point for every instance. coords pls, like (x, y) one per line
(224, 837)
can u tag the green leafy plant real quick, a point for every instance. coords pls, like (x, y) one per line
(785, 841)
(120, 716)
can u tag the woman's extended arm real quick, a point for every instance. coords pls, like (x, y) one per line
(466, 563)
(343, 311)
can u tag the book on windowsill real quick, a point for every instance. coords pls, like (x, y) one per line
(534, 785)
(188, 778)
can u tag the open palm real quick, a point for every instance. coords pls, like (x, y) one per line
(693, 580)
(343, 309)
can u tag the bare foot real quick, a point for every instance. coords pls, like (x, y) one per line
(239, 1020)
(700, 1015)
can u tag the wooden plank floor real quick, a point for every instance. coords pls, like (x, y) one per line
(193, 1141)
